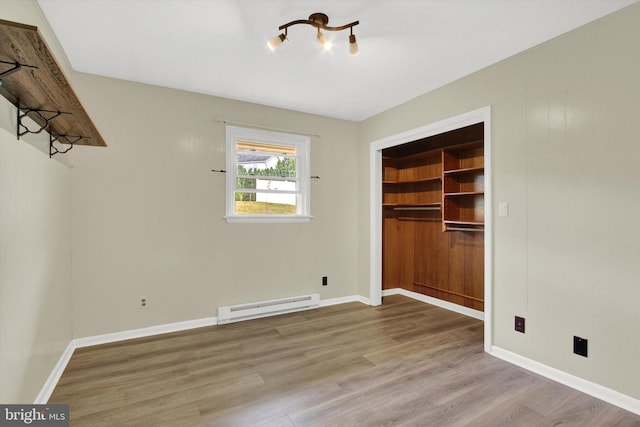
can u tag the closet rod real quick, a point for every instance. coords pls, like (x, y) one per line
(464, 229)
(249, 125)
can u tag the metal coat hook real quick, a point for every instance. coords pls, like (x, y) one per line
(16, 67)
(42, 119)
(70, 139)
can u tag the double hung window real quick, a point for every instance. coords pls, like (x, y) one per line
(267, 176)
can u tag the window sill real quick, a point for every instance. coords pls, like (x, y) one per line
(266, 219)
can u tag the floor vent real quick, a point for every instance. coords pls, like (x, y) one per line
(236, 313)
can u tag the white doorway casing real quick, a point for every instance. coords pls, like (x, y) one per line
(481, 115)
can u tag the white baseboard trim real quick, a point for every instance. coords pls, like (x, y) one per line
(56, 373)
(608, 395)
(437, 302)
(47, 389)
(343, 300)
(144, 332)
(611, 396)
(598, 391)
(363, 300)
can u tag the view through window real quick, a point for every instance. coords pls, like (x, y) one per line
(265, 179)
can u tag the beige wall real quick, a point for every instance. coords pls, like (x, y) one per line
(148, 211)
(35, 263)
(566, 157)
(35, 248)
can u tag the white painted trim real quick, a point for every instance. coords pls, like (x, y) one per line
(266, 219)
(375, 215)
(363, 300)
(481, 115)
(144, 332)
(302, 143)
(47, 389)
(343, 300)
(476, 314)
(435, 128)
(611, 396)
(56, 373)
(488, 229)
(596, 390)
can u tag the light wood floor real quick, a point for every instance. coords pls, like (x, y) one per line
(403, 363)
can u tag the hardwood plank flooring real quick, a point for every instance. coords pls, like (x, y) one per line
(404, 363)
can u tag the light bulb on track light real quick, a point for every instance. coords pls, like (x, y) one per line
(324, 41)
(353, 45)
(276, 41)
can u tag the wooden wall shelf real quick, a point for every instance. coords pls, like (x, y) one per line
(40, 85)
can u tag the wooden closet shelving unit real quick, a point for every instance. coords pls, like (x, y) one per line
(413, 182)
(32, 80)
(463, 187)
(433, 219)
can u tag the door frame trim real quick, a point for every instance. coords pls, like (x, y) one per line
(481, 115)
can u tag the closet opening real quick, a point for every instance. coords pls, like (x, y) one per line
(431, 214)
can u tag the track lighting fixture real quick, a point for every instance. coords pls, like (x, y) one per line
(319, 21)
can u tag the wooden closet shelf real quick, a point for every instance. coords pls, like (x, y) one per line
(450, 225)
(464, 171)
(412, 206)
(414, 181)
(435, 155)
(446, 221)
(39, 84)
(479, 143)
(464, 193)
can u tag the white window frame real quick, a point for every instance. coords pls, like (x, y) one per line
(303, 175)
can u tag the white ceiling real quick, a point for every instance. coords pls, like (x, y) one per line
(218, 47)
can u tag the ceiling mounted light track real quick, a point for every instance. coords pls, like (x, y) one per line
(319, 21)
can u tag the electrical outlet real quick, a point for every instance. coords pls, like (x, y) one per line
(143, 302)
(324, 281)
(519, 324)
(580, 346)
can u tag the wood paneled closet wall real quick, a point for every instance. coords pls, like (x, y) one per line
(433, 216)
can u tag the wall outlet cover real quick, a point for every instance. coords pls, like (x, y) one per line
(519, 324)
(580, 346)
(503, 209)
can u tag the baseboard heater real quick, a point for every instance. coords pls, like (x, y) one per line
(236, 313)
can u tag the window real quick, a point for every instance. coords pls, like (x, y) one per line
(267, 176)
